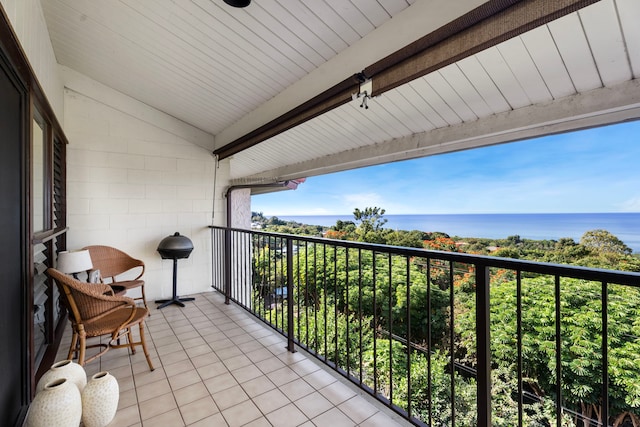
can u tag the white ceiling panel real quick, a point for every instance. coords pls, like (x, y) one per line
(496, 66)
(344, 130)
(525, 71)
(574, 49)
(200, 60)
(338, 24)
(403, 111)
(484, 84)
(367, 124)
(352, 14)
(449, 95)
(600, 22)
(548, 62)
(220, 68)
(629, 14)
(435, 101)
(393, 6)
(463, 87)
(418, 104)
(377, 14)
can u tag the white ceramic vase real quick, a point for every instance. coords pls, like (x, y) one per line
(58, 404)
(64, 369)
(100, 400)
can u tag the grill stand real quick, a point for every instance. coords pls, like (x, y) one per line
(175, 299)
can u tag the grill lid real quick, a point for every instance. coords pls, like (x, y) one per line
(175, 246)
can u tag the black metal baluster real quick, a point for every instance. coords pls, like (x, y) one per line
(360, 309)
(346, 308)
(375, 324)
(408, 275)
(483, 344)
(324, 297)
(290, 332)
(452, 347)
(335, 307)
(306, 292)
(519, 344)
(605, 353)
(429, 345)
(558, 342)
(315, 296)
(227, 265)
(389, 278)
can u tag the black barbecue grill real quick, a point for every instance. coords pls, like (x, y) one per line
(174, 247)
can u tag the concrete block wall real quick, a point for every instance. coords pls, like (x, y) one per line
(132, 182)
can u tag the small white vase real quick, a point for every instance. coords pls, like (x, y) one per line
(100, 400)
(64, 369)
(58, 404)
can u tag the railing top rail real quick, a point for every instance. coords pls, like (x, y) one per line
(480, 261)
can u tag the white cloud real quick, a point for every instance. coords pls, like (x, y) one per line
(362, 200)
(631, 205)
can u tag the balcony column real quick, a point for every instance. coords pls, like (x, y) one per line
(237, 273)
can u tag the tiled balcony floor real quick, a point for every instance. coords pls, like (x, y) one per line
(216, 365)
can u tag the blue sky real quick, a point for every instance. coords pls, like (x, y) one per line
(595, 170)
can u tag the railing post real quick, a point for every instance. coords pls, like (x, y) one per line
(483, 343)
(227, 265)
(290, 320)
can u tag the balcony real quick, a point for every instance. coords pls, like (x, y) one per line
(365, 356)
(216, 365)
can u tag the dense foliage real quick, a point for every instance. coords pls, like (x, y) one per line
(360, 309)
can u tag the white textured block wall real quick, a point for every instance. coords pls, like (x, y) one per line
(241, 208)
(132, 183)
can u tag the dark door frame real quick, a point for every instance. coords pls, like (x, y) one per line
(16, 392)
(17, 212)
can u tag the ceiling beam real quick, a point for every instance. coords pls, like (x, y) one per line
(487, 25)
(484, 27)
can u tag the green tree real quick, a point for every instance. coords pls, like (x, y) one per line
(581, 337)
(370, 224)
(342, 230)
(604, 242)
(407, 239)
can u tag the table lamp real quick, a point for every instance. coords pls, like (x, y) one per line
(73, 262)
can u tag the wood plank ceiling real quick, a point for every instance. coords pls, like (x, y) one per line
(200, 60)
(213, 66)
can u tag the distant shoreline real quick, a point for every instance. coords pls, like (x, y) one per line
(549, 226)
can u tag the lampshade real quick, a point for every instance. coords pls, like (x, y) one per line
(74, 261)
(238, 3)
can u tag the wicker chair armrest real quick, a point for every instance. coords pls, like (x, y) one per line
(101, 307)
(104, 289)
(115, 300)
(140, 264)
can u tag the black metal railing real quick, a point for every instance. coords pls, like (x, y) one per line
(446, 338)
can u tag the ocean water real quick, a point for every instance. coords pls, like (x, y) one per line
(625, 226)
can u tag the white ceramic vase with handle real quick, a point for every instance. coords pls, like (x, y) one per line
(100, 400)
(57, 404)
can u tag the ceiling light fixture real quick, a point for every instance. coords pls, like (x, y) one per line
(365, 90)
(238, 3)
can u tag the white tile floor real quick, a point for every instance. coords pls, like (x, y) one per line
(216, 365)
